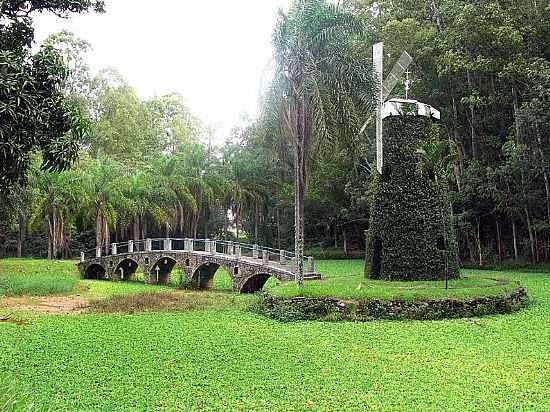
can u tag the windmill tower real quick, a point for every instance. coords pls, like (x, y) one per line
(410, 236)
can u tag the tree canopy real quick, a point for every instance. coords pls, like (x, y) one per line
(484, 65)
(35, 114)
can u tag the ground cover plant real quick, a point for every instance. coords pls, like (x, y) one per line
(234, 359)
(36, 277)
(344, 279)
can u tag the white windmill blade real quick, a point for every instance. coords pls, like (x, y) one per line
(393, 78)
(378, 66)
(377, 63)
(396, 72)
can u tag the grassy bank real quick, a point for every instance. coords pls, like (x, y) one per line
(232, 359)
(36, 277)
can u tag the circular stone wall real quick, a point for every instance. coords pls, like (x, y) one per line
(332, 309)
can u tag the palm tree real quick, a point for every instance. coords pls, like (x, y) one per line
(20, 200)
(56, 198)
(435, 156)
(103, 185)
(323, 87)
(171, 193)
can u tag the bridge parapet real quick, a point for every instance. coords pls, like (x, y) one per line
(249, 265)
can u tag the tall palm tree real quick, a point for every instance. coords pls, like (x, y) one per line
(323, 87)
(102, 183)
(56, 198)
(171, 193)
(20, 206)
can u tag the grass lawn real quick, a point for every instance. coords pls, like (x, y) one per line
(344, 279)
(36, 277)
(232, 359)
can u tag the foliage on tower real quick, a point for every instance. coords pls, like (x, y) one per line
(410, 235)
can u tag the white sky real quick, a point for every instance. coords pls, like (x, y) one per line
(213, 52)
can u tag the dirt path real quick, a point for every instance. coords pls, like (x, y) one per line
(60, 305)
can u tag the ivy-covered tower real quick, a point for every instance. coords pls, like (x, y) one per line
(410, 235)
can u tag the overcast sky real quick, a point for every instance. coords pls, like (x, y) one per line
(213, 52)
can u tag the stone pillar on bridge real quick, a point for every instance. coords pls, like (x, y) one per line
(255, 252)
(130, 246)
(282, 257)
(311, 264)
(238, 250)
(265, 257)
(98, 252)
(191, 245)
(167, 244)
(82, 257)
(229, 248)
(114, 250)
(148, 245)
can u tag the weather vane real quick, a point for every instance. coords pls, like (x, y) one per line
(408, 84)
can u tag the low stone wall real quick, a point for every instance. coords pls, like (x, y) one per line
(330, 309)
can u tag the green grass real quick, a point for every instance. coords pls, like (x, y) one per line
(344, 279)
(36, 277)
(233, 359)
(171, 302)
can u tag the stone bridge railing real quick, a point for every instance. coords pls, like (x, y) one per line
(248, 265)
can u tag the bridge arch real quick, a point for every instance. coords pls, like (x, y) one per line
(129, 267)
(255, 283)
(95, 271)
(203, 275)
(165, 265)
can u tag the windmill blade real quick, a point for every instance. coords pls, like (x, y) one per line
(393, 78)
(378, 65)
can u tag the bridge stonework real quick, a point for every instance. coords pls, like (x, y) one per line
(189, 267)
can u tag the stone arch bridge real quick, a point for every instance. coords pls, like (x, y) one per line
(192, 262)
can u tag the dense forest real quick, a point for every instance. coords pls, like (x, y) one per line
(146, 168)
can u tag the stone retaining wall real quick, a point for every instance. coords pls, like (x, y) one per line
(331, 309)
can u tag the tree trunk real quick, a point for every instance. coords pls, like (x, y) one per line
(473, 136)
(107, 236)
(470, 248)
(278, 228)
(54, 230)
(21, 237)
(135, 226)
(50, 237)
(256, 218)
(237, 220)
(479, 242)
(535, 235)
(144, 228)
(530, 230)
(544, 172)
(514, 234)
(499, 245)
(345, 239)
(299, 182)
